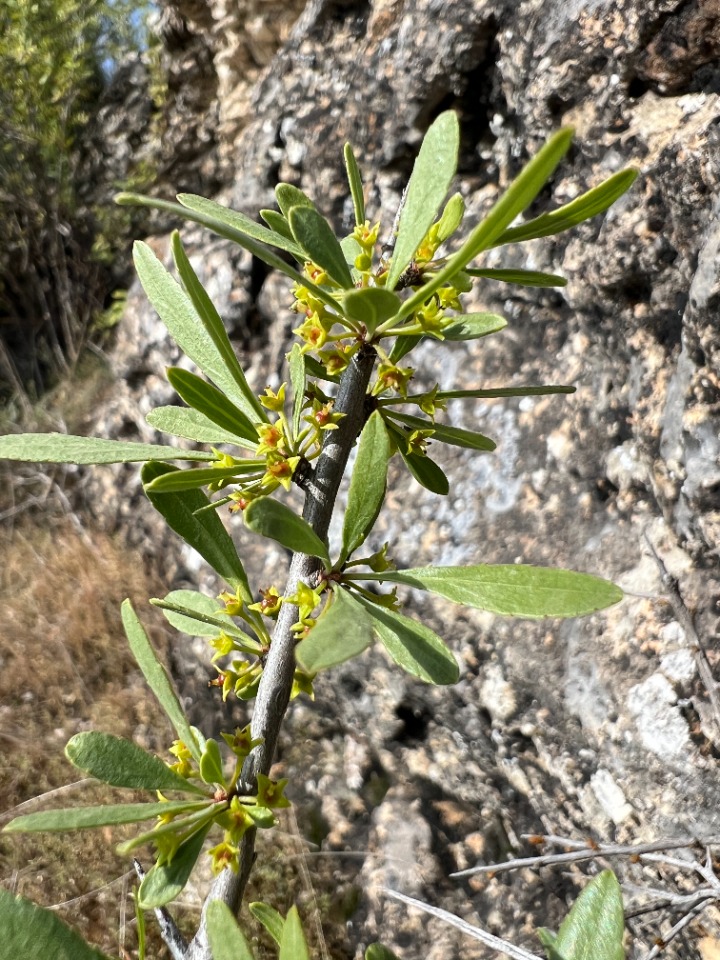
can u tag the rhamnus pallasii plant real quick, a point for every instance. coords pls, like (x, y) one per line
(361, 309)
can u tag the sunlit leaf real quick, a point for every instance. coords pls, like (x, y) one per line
(192, 479)
(203, 532)
(201, 616)
(88, 818)
(191, 425)
(270, 918)
(157, 677)
(472, 326)
(30, 932)
(593, 930)
(403, 346)
(293, 945)
(355, 184)
(427, 188)
(455, 436)
(274, 520)
(370, 306)
(211, 768)
(493, 393)
(211, 320)
(289, 196)
(296, 363)
(314, 234)
(277, 222)
(526, 278)
(226, 939)
(121, 763)
(451, 217)
(513, 590)
(367, 485)
(61, 448)
(413, 646)
(342, 632)
(162, 884)
(584, 207)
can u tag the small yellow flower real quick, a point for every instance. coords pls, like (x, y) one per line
(393, 377)
(224, 855)
(242, 741)
(271, 437)
(271, 792)
(306, 599)
(270, 604)
(273, 401)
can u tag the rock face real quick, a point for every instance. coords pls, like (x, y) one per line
(596, 727)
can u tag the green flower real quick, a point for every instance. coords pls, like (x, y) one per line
(271, 792)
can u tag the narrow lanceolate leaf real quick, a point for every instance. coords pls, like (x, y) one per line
(196, 614)
(413, 646)
(61, 448)
(513, 590)
(593, 930)
(238, 221)
(355, 184)
(157, 677)
(429, 183)
(215, 328)
(211, 402)
(162, 884)
(371, 306)
(455, 436)
(314, 234)
(203, 532)
(526, 278)
(270, 918)
(296, 363)
(226, 939)
(274, 520)
(293, 945)
(29, 932)
(495, 392)
(472, 326)
(584, 207)
(122, 763)
(177, 312)
(343, 631)
(518, 197)
(191, 425)
(289, 196)
(192, 479)
(403, 346)
(255, 247)
(367, 485)
(318, 371)
(427, 473)
(277, 222)
(106, 815)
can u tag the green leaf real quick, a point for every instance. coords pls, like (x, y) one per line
(593, 930)
(30, 932)
(274, 520)
(256, 248)
(472, 326)
(518, 197)
(186, 327)
(494, 392)
(315, 236)
(367, 485)
(208, 400)
(548, 938)
(342, 632)
(451, 217)
(210, 318)
(376, 951)
(427, 473)
(370, 306)
(238, 221)
(226, 939)
(351, 250)
(293, 945)
(316, 370)
(162, 884)
(203, 532)
(88, 818)
(584, 207)
(192, 479)
(157, 677)
(402, 347)
(191, 425)
(527, 278)
(121, 763)
(413, 646)
(455, 436)
(182, 827)
(277, 222)
(428, 185)
(211, 768)
(512, 590)
(355, 184)
(61, 448)
(270, 918)
(201, 616)
(296, 363)
(289, 196)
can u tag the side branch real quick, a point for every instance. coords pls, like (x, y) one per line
(273, 694)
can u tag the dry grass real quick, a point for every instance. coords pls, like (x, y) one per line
(65, 667)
